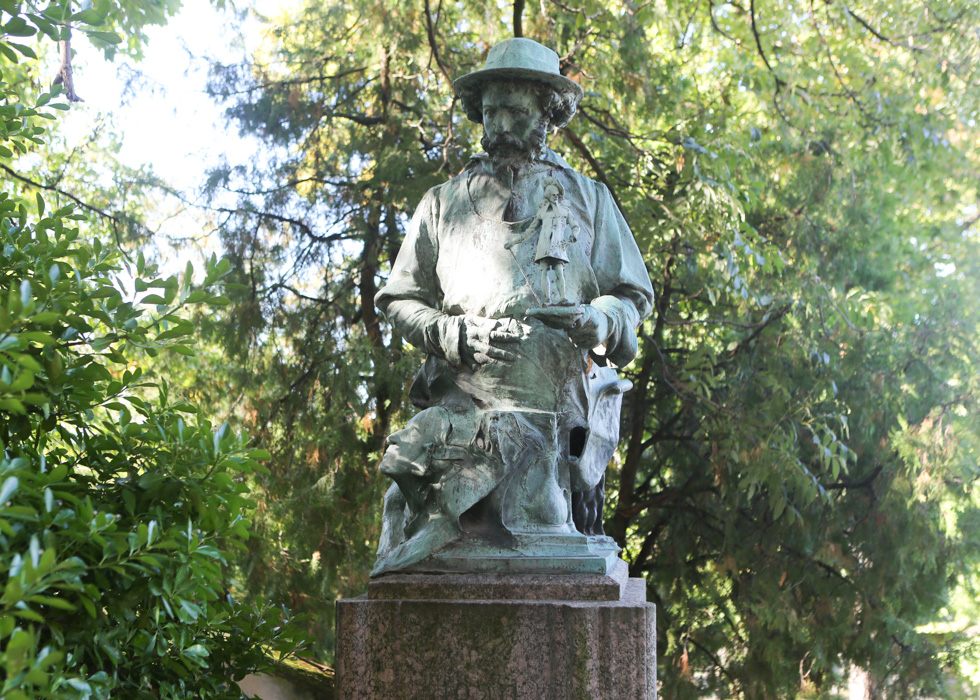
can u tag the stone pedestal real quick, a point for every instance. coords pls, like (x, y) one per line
(498, 636)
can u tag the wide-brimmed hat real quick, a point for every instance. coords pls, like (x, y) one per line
(522, 59)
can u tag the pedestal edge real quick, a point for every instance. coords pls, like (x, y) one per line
(491, 586)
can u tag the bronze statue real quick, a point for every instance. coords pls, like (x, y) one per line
(526, 385)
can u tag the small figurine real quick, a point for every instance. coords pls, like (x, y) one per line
(553, 222)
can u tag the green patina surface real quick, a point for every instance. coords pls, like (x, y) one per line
(521, 281)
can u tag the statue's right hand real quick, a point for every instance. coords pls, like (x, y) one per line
(483, 340)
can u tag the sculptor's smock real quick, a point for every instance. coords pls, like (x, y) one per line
(453, 263)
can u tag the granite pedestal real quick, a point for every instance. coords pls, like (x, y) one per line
(498, 637)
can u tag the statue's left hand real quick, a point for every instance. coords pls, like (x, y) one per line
(586, 325)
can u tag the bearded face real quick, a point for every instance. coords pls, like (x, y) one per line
(514, 125)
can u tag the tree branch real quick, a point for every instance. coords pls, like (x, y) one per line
(714, 659)
(864, 23)
(714, 22)
(430, 31)
(758, 43)
(596, 166)
(65, 77)
(356, 118)
(755, 334)
(837, 74)
(846, 484)
(667, 495)
(301, 225)
(116, 221)
(63, 193)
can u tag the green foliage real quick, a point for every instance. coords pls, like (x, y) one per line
(119, 512)
(109, 25)
(121, 507)
(798, 474)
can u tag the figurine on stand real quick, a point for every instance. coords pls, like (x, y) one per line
(556, 231)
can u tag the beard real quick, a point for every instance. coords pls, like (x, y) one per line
(512, 151)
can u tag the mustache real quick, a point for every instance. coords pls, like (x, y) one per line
(507, 141)
(510, 144)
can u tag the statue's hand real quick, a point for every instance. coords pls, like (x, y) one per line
(586, 325)
(483, 340)
(561, 317)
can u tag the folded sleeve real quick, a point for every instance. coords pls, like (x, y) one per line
(626, 294)
(412, 296)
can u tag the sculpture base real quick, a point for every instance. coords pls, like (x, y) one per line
(507, 636)
(539, 553)
(529, 554)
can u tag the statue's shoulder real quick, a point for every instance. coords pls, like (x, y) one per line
(456, 183)
(433, 200)
(478, 162)
(582, 182)
(580, 189)
(569, 174)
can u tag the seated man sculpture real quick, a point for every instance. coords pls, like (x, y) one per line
(504, 468)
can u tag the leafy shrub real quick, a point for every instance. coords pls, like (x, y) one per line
(120, 508)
